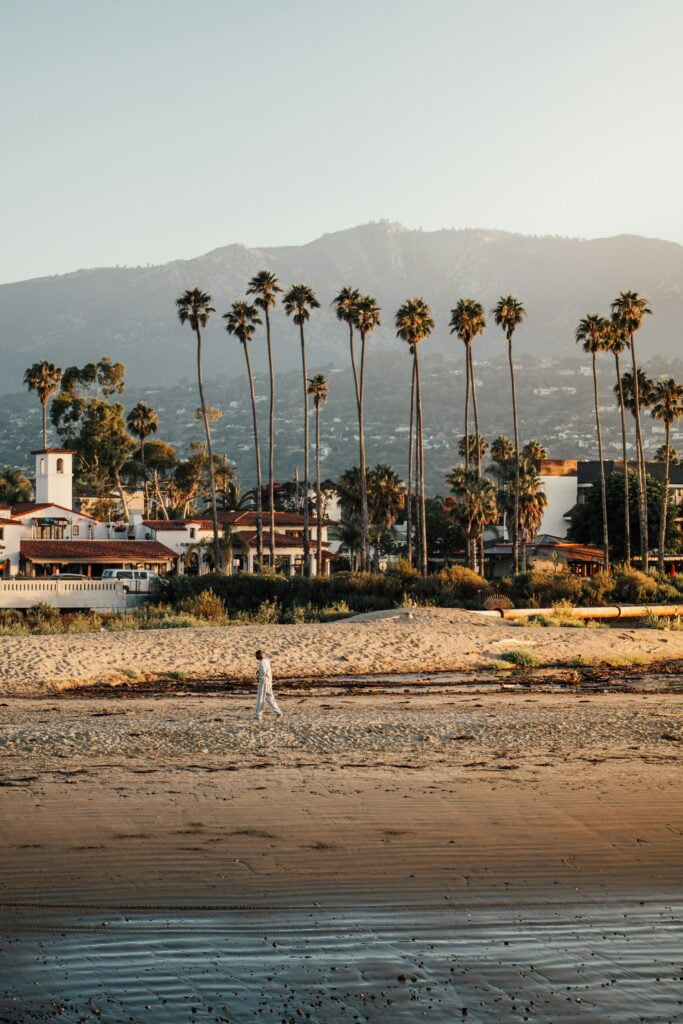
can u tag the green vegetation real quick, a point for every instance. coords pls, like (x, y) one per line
(520, 659)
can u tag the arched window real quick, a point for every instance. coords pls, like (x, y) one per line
(60, 465)
(42, 466)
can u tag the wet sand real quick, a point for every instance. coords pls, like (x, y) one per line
(372, 858)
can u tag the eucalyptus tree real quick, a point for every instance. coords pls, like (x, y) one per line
(414, 324)
(616, 338)
(241, 320)
(265, 288)
(44, 378)
(628, 312)
(591, 334)
(667, 408)
(299, 301)
(194, 307)
(318, 389)
(509, 313)
(366, 318)
(142, 421)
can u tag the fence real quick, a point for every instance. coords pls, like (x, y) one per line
(108, 595)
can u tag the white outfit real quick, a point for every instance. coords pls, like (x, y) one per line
(264, 693)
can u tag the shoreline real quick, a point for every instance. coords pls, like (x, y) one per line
(427, 640)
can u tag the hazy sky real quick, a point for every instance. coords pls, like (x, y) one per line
(138, 131)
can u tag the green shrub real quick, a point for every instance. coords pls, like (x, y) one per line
(42, 612)
(205, 605)
(542, 588)
(520, 658)
(635, 587)
(463, 584)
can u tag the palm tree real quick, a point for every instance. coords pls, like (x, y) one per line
(668, 409)
(616, 340)
(298, 302)
(347, 532)
(242, 319)
(318, 389)
(44, 378)
(629, 310)
(535, 451)
(386, 497)
(345, 304)
(411, 446)
(142, 421)
(366, 318)
(194, 307)
(414, 324)
(467, 321)
(591, 334)
(475, 506)
(532, 503)
(265, 287)
(509, 314)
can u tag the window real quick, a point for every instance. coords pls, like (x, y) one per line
(75, 530)
(2, 532)
(193, 533)
(42, 466)
(60, 465)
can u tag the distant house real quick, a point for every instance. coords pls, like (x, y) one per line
(547, 552)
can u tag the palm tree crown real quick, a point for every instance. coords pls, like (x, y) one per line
(667, 404)
(591, 333)
(345, 304)
(318, 388)
(264, 286)
(44, 378)
(366, 314)
(629, 309)
(142, 420)
(242, 319)
(467, 320)
(299, 301)
(508, 313)
(194, 307)
(414, 321)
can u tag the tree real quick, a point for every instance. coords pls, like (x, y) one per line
(444, 532)
(242, 319)
(298, 302)
(509, 314)
(414, 324)
(43, 378)
(366, 318)
(624, 390)
(194, 307)
(142, 421)
(667, 408)
(616, 339)
(591, 334)
(347, 532)
(265, 287)
(318, 389)
(478, 447)
(162, 459)
(467, 321)
(586, 523)
(532, 504)
(663, 453)
(15, 488)
(386, 499)
(475, 506)
(628, 312)
(535, 451)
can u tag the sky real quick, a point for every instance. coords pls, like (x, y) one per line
(142, 131)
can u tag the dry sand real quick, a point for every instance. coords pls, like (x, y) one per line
(425, 640)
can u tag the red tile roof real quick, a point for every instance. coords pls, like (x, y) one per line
(165, 524)
(282, 540)
(96, 550)
(28, 508)
(10, 522)
(54, 451)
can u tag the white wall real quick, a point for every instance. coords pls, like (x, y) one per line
(53, 484)
(561, 494)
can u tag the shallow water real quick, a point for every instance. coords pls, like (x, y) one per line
(616, 962)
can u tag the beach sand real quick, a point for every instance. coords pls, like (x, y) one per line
(423, 640)
(372, 858)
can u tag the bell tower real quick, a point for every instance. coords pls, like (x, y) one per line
(54, 476)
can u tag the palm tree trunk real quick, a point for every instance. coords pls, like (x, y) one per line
(468, 539)
(209, 448)
(307, 536)
(44, 405)
(627, 504)
(271, 442)
(665, 502)
(364, 524)
(515, 524)
(477, 452)
(603, 488)
(257, 447)
(318, 495)
(421, 468)
(409, 497)
(642, 473)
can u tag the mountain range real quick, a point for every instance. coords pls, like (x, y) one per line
(128, 313)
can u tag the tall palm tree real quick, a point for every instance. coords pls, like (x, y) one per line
(411, 460)
(366, 318)
(265, 287)
(509, 314)
(475, 506)
(142, 421)
(591, 333)
(318, 388)
(668, 409)
(345, 304)
(44, 378)
(617, 340)
(241, 320)
(298, 302)
(194, 307)
(629, 310)
(532, 504)
(414, 324)
(535, 451)
(386, 496)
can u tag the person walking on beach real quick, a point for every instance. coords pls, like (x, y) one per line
(264, 692)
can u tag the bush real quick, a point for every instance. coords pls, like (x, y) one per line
(42, 612)
(635, 587)
(463, 584)
(520, 658)
(542, 588)
(205, 605)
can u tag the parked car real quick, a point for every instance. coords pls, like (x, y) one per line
(137, 581)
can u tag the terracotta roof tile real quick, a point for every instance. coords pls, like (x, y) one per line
(93, 550)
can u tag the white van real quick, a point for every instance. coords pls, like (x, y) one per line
(137, 581)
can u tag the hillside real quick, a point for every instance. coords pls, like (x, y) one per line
(128, 313)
